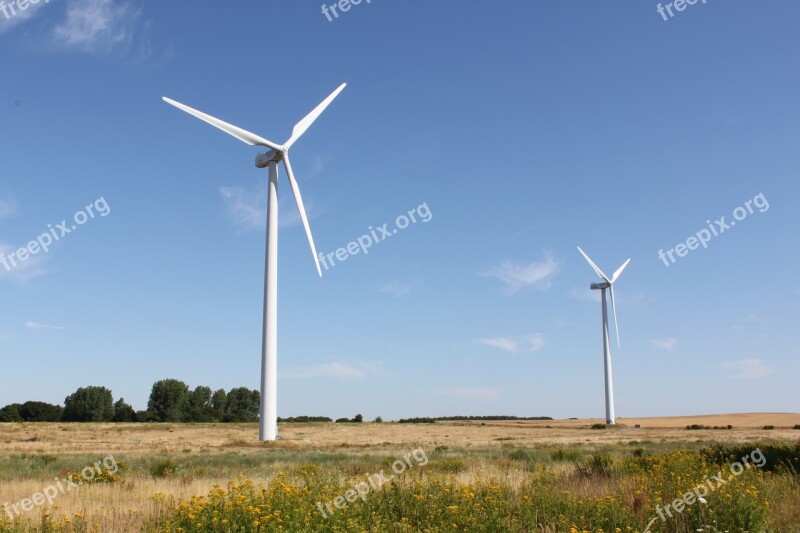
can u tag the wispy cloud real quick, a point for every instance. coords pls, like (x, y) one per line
(474, 393)
(528, 343)
(8, 206)
(535, 342)
(502, 343)
(336, 370)
(396, 288)
(668, 345)
(97, 26)
(585, 294)
(520, 275)
(748, 369)
(247, 209)
(24, 271)
(317, 168)
(38, 326)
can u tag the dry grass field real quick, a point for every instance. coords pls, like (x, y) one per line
(149, 438)
(168, 463)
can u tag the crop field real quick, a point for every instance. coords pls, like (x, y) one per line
(548, 476)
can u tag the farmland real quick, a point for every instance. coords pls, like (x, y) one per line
(559, 475)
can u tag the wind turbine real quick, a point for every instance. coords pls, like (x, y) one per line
(607, 284)
(268, 419)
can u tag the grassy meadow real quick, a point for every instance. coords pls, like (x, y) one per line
(543, 476)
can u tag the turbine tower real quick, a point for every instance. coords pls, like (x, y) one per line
(268, 415)
(609, 285)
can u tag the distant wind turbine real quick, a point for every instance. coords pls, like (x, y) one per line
(268, 419)
(608, 283)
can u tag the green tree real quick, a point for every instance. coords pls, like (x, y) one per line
(200, 409)
(169, 401)
(242, 405)
(40, 412)
(358, 418)
(89, 404)
(218, 403)
(10, 413)
(123, 412)
(143, 416)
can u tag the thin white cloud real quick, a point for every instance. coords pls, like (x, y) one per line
(38, 326)
(335, 370)
(96, 26)
(668, 345)
(24, 271)
(316, 169)
(585, 294)
(474, 393)
(396, 288)
(8, 207)
(535, 342)
(502, 343)
(517, 276)
(748, 369)
(247, 209)
(528, 343)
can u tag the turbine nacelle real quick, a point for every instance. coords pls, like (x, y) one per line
(598, 286)
(265, 158)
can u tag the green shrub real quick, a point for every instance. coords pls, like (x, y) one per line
(568, 456)
(419, 420)
(164, 468)
(600, 464)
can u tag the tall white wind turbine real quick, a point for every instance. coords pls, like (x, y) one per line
(608, 283)
(268, 419)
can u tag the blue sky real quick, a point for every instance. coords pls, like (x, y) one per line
(526, 128)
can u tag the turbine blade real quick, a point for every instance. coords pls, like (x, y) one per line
(614, 308)
(301, 127)
(619, 271)
(243, 135)
(595, 267)
(303, 217)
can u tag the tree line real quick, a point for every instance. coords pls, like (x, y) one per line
(170, 400)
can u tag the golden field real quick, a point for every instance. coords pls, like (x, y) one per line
(165, 465)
